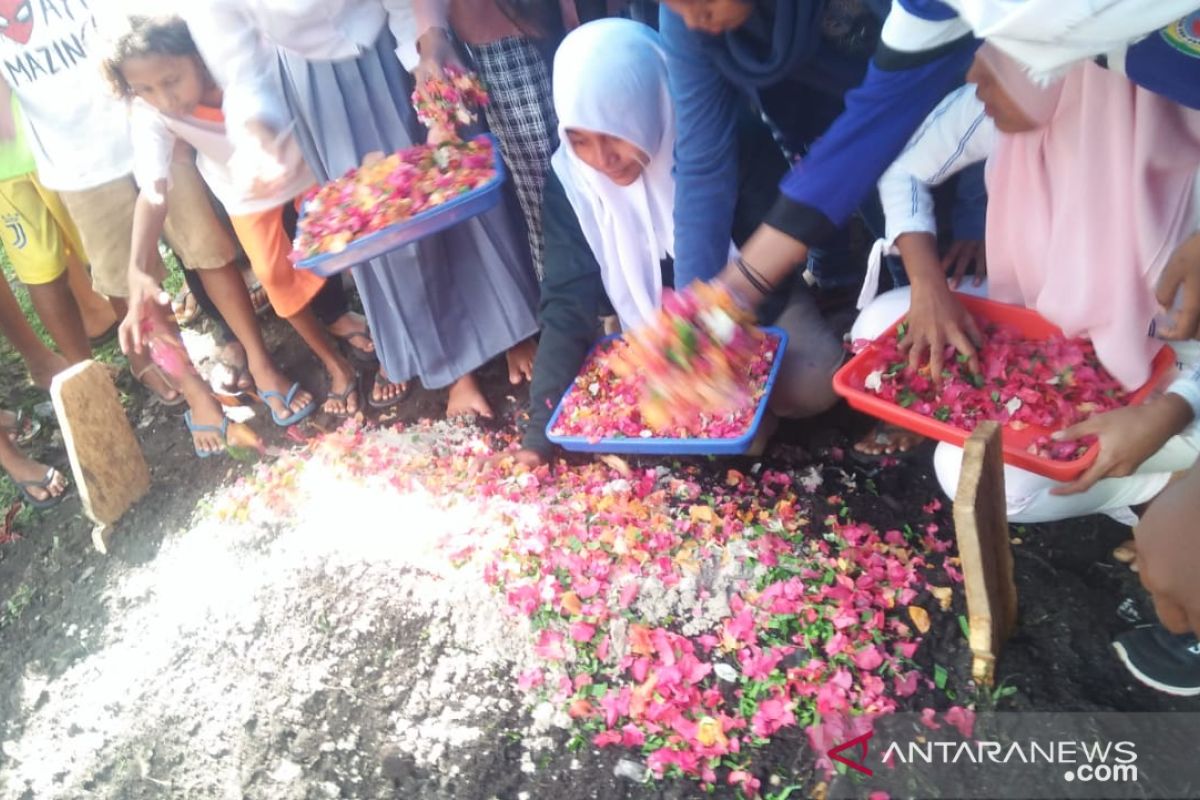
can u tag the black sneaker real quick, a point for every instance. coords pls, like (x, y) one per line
(1162, 660)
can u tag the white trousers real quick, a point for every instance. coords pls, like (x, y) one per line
(1028, 494)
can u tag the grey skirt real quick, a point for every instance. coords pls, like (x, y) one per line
(444, 306)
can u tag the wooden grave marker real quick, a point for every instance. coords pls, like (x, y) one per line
(106, 461)
(981, 527)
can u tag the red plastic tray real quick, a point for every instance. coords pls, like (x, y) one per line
(852, 375)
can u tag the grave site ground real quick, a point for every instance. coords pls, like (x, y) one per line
(371, 615)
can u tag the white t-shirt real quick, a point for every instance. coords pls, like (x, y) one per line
(78, 131)
(154, 137)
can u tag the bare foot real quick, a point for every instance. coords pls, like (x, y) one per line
(342, 400)
(385, 392)
(520, 361)
(351, 328)
(466, 399)
(887, 440)
(24, 470)
(43, 371)
(207, 412)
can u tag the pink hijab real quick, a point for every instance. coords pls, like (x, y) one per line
(1085, 211)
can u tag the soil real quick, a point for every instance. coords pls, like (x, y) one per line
(330, 660)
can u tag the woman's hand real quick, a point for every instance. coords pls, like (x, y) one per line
(1179, 292)
(1168, 551)
(935, 318)
(961, 255)
(1127, 436)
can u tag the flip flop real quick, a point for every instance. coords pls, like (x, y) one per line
(155, 397)
(357, 354)
(51, 500)
(23, 429)
(344, 398)
(296, 416)
(381, 404)
(197, 428)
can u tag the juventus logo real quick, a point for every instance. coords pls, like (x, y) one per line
(13, 223)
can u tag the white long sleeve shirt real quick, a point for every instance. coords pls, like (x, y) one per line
(237, 39)
(955, 135)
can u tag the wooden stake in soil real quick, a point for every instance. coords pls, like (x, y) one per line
(981, 527)
(106, 461)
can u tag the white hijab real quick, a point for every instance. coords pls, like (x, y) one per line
(610, 76)
(1050, 35)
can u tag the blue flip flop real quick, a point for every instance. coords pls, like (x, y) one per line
(197, 428)
(287, 403)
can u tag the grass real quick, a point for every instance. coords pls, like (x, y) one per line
(21, 395)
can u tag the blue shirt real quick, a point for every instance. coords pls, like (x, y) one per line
(901, 88)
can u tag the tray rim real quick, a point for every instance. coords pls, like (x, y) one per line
(369, 244)
(671, 446)
(1014, 455)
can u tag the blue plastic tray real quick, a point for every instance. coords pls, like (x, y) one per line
(673, 447)
(384, 240)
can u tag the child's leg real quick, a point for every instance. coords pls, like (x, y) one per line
(204, 245)
(56, 307)
(228, 291)
(294, 294)
(330, 305)
(63, 237)
(94, 309)
(103, 216)
(341, 373)
(42, 362)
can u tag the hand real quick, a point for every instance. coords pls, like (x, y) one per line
(1168, 551)
(144, 294)
(1179, 292)
(936, 319)
(1127, 437)
(961, 255)
(437, 52)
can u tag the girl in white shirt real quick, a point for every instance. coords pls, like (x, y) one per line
(154, 64)
(440, 308)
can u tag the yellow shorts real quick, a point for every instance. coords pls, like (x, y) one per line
(37, 231)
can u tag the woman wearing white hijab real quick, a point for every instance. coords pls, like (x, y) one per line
(608, 217)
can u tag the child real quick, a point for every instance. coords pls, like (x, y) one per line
(440, 308)
(44, 250)
(610, 224)
(154, 63)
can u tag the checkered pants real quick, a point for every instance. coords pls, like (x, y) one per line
(521, 114)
